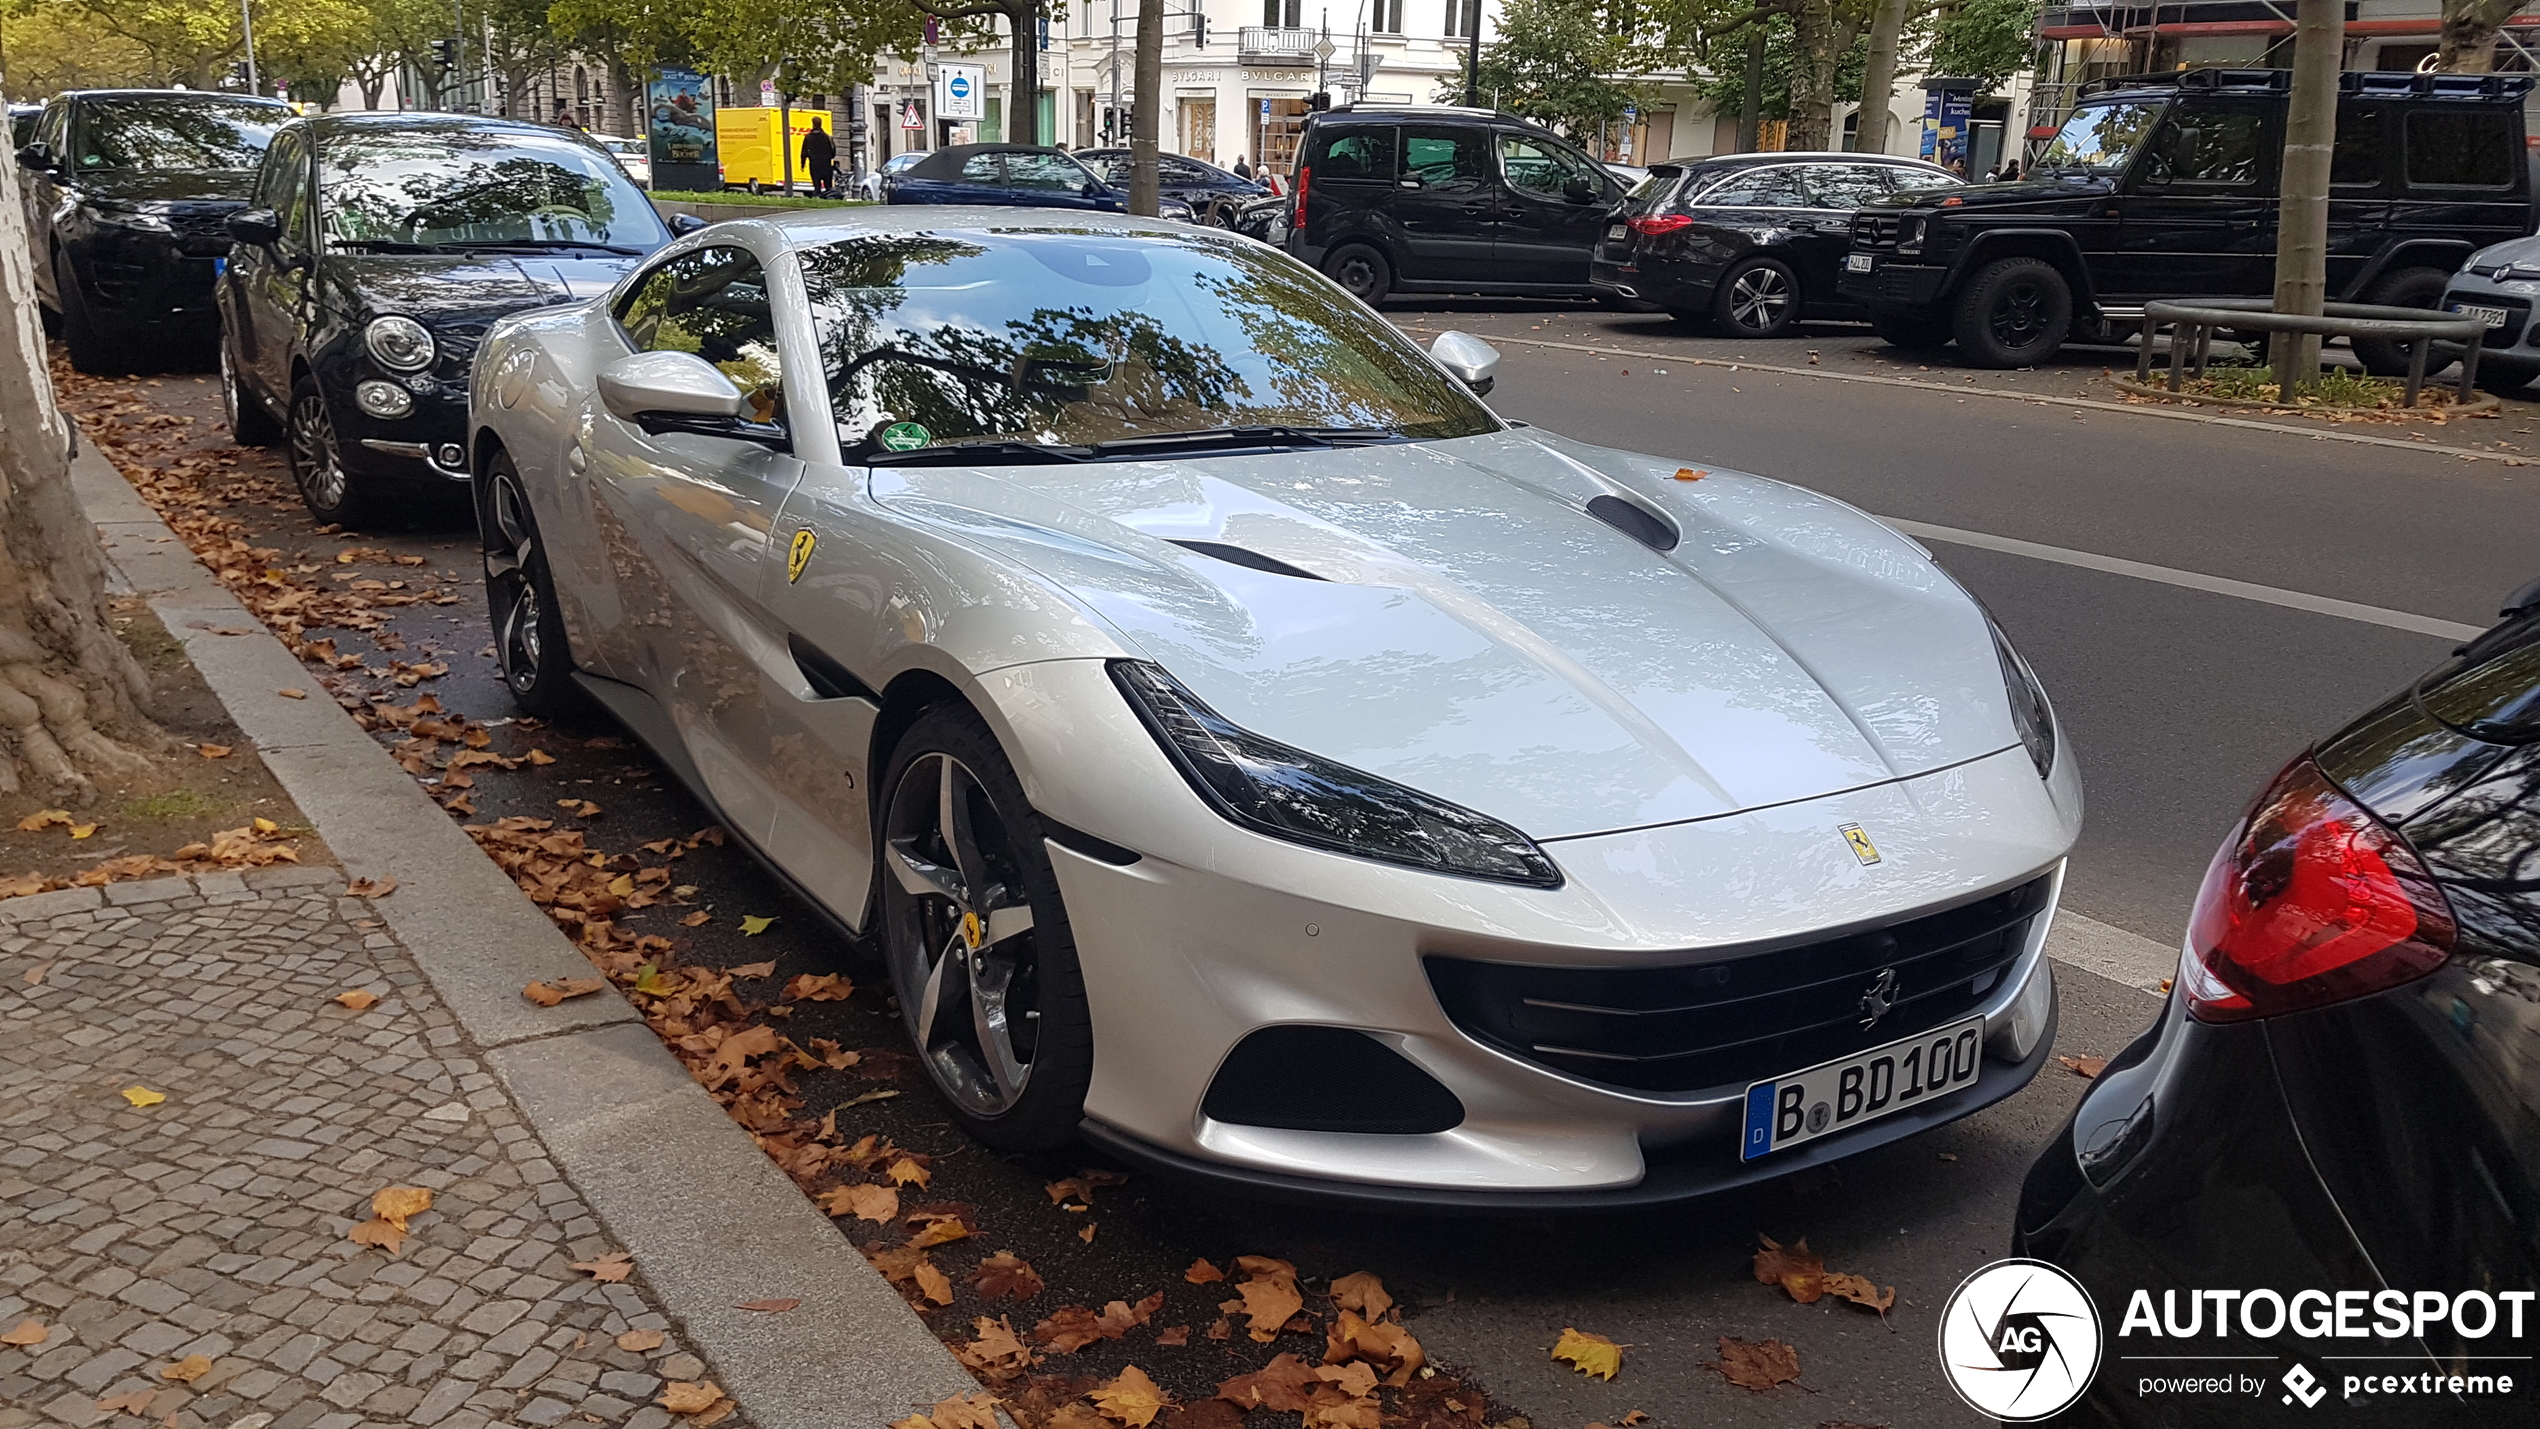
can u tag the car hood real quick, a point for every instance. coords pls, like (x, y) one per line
(2514, 252)
(471, 289)
(1466, 627)
(229, 186)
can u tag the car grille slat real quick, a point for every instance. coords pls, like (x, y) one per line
(1876, 230)
(1733, 1020)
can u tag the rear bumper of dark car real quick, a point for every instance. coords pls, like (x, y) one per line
(1666, 284)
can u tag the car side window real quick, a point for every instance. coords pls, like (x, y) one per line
(54, 128)
(1763, 188)
(1545, 171)
(291, 197)
(1183, 171)
(2363, 143)
(2462, 148)
(2209, 148)
(1046, 173)
(713, 302)
(1904, 178)
(1358, 154)
(1844, 186)
(1440, 154)
(982, 169)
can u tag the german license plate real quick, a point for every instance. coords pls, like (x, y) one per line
(1842, 1094)
(1614, 234)
(2493, 317)
(1858, 262)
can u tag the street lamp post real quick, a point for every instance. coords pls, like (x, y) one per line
(247, 27)
(1473, 57)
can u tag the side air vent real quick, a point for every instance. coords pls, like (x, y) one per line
(1238, 556)
(828, 679)
(1328, 1079)
(1632, 521)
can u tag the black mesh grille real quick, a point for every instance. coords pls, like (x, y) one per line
(201, 234)
(1728, 1022)
(1327, 1079)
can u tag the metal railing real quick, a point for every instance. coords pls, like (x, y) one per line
(2192, 328)
(1277, 42)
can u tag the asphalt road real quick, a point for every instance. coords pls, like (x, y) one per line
(2178, 702)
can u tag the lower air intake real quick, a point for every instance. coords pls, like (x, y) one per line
(1328, 1079)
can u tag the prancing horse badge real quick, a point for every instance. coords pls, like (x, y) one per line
(1862, 848)
(798, 555)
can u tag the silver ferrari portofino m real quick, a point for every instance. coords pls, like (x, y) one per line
(1248, 752)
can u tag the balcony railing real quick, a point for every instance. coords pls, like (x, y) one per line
(1279, 45)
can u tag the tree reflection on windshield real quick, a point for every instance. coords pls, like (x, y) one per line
(439, 186)
(195, 134)
(1073, 338)
(2100, 139)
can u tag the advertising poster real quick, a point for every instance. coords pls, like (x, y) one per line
(681, 127)
(1946, 114)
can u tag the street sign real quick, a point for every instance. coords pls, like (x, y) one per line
(908, 116)
(1324, 49)
(960, 92)
(767, 94)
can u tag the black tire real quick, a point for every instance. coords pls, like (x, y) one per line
(1911, 332)
(530, 646)
(945, 951)
(333, 495)
(2013, 313)
(2514, 382)
(91, 351)
(2407, 288)
(1362, 270)
(1758, 298)
(250, 424)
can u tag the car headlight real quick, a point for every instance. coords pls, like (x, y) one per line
(399, 344)
(1909, 234)
(382, 399)
(1289, 794)
(2030, 714)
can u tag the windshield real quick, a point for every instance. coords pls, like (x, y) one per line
(1057, 338)
(2100, 139)
(440, 187)
(162, 133)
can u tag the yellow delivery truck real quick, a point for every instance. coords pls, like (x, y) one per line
(745, 140)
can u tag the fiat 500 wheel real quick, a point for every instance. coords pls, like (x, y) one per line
(331, 493)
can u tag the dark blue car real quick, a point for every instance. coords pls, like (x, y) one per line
(1215, 195)
(1027, 175)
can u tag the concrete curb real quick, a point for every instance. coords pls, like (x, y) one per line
(708, 1218)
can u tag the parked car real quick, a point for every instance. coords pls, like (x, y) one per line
(2499, 285)
(1751, 243)
(127, 193)
(2164, 186)
(1518, 869)
(1025, 175)
(2337, 1100)
(634, 155)
(1437, 199)
(378, 249)
(22, 119)
(1213, 193)
(877, 182)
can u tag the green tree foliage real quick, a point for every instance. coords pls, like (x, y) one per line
(1722, 79)
(1990, 40)
(1565, 63)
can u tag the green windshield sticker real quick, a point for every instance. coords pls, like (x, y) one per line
(904, 437)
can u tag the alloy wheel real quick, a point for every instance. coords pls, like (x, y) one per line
(962, 950)
(2017, 319)
(314, 463)
(1758, 299)
(511, 540)
(228, 390)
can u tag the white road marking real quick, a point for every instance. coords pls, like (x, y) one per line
(2192, 580)
(2111, 952)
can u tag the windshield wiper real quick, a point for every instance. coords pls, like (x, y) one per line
(582, 243)
(385, 245)
(1248, 439)
(972, 454)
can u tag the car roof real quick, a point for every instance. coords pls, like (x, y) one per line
(802, 228)
(408, 120)
(187, 94)
(946, 162)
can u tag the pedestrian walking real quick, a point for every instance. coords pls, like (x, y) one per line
(1242, 170)
(2010, 172)
(820, 156)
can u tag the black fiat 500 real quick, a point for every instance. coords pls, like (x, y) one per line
(126, 192)
(1750, 243)
(2322, 1163)
(377, 250)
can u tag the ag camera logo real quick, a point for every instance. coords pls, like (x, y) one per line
(2019, 1340)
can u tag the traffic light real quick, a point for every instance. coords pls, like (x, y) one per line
(1199, 28)
(1319, 101)
(445, 55)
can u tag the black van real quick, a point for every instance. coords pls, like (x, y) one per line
(1436, 199)
(2164, 186)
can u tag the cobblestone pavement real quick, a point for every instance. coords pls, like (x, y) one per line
(214, 1223)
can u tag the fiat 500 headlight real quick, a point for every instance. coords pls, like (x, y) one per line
(399, 344)
(1289, 794)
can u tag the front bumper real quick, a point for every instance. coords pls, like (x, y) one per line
(2512, 345)
(135, 281)
(1892, 282)
(408, 448)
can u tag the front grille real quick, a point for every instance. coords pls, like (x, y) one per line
(1735, 1020)
(201, 233)
(114, 284)
(1876, 230)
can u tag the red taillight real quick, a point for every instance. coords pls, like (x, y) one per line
(2311, 901)
(1296, 219)
(1655, 224)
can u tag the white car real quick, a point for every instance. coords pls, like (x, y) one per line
(1251, 754)
(633, 155)
(896, 164)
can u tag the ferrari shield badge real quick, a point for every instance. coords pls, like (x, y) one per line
(798, 555)
(1859, 839)
(905, 437)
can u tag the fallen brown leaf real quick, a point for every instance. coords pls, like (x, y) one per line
(934, 1229)
(682, 1396)
(879, 1204)
(1007, 1274)
(933, 1283)
(1070, 1328)
(1268, 1301)
(697, 919)
(1795, 1269)
(1174, 1335)
(1130, 1398)
(635, 1342)
(1087, 1233)
(1203, 1273)
(548, 994)
(293, 694)
(2083, 1066)
(370, 888)
(1080, 1187)
(807, 988)
(1363, 1292)
(376, 1232)
(1860, 1290)
(188, 1369)
(997, 1353)
(1756, 1364)
(610, 1269)
(765, 969)
(909, 1169)
(1589, 1354)
(28, 1332)
(212, 751)
(136, 1402)
(358, 999)
(975, 1410)
(1285, 1385)
(769, 1307)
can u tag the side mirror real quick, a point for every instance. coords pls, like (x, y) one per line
(1471, 360)
(1093, 188)
(255, 226)
(37, 155)
(683, 224)
(2521, 601)
(659, 392)
(1579, 191)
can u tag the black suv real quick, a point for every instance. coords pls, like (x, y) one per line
(1434, 199)
(128, 195)
(2164, 186)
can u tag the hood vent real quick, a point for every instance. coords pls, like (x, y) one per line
(1634, 521)
(1238, 556)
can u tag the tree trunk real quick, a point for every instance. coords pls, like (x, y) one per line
(1150, 108)
(1821, 42)
(2470, 28)
(1023, 93)
(2310, 136)
(1750, 114)
(1878, 77)
(65, 681)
